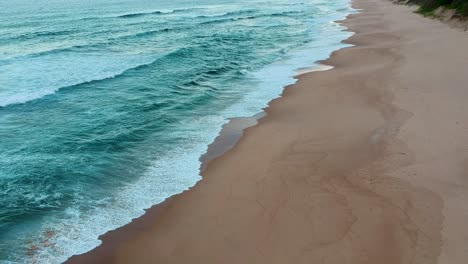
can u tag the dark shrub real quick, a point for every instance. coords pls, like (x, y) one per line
(427, 6)
(464, 9)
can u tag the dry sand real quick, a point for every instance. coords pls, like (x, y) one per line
(365, 163)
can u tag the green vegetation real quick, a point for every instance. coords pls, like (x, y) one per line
(429, 6)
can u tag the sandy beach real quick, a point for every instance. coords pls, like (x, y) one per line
(363, 163)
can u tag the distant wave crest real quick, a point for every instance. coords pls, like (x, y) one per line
(140, 14)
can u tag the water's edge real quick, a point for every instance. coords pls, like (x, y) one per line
(229, 135)
(233, 131)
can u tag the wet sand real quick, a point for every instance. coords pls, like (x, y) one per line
(363, 163)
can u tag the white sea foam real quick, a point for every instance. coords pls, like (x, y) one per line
(28, 79)
(170, 175)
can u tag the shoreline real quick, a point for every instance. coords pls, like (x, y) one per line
(233, 131)
(282, 72)
(354, 174)
(228, 137)
(230, 134)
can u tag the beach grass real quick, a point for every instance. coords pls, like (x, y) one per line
(428, 7)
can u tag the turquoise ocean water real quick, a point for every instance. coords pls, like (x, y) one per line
(107, 105)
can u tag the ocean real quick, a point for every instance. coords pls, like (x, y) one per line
(106, 106)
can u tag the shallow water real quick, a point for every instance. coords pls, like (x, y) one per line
(106, 108)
